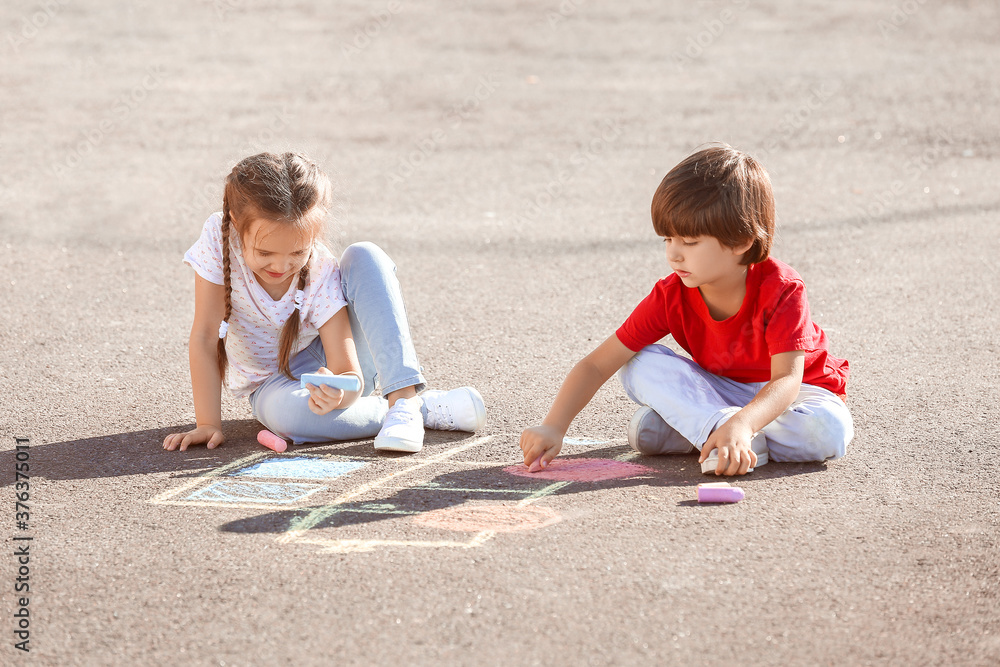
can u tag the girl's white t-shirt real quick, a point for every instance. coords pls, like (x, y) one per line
(256, 321)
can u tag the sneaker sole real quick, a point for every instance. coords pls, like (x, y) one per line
(633, 427)
(480, 405)
(390, 445)
(668, 449)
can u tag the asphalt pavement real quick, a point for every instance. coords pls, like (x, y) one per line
(504, 155)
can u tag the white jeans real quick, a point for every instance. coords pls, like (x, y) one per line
(816, 427)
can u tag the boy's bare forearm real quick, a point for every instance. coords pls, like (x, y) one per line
(206, 385)
(589, 374)
(773, 399)
(577, 389)
(542, 443)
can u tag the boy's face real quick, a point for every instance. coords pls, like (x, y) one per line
(702, 261)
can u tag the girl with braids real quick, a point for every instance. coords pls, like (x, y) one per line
(272, 303)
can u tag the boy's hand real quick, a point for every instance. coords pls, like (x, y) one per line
(540, 445)
(324, 398)
(210, 435)
(732, 439)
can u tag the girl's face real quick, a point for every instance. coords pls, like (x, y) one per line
(702, 261)
(275, 252)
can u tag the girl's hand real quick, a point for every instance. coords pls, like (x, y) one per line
(324, 398)
(732, 439)
(210, 435)
(540, 445)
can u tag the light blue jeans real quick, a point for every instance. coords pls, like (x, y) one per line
(388, 360)
(816, 427)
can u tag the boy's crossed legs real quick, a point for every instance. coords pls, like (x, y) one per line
(694, 402)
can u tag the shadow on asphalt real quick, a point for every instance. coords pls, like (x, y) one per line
(494, 483)
(142, 452)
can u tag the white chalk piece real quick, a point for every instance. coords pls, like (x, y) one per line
(584, 441)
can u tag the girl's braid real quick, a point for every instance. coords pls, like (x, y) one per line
(290, 331)
(227, 283)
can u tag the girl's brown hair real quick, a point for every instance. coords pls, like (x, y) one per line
(718, 191)
(287, 189)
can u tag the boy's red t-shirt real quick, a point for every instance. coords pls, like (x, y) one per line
(774, 318)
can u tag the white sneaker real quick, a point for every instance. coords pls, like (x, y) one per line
(403, 428)
(460, 409)
(648, 434)
(758, 444)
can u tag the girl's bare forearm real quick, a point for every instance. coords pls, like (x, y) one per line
(206, 385)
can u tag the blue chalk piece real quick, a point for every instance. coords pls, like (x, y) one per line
(345, 382)
(231, 491)
(299, 467)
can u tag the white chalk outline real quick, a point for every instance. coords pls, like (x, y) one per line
(221, 487)
(298, 532)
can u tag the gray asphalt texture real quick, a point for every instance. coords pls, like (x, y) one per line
(505, 155)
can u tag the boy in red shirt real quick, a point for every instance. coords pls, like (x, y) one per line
(760, 383)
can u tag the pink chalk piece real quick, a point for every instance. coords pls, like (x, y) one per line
(581, 470)
(719, 492)
(272, 441)
(497, 518)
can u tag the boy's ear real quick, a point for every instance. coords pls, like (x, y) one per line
(743, 248)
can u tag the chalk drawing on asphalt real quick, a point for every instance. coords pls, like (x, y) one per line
(438, 507)
(231, 491)
(582, 470)
(495, 518)
(228, 485)
(299, 467)
(585, 442)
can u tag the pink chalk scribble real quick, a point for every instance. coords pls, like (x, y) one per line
(498, 518)
(582, 470)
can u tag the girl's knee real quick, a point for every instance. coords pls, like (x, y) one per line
(364, 253)
(281, 412)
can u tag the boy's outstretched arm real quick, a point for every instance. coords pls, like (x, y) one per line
(542, 443)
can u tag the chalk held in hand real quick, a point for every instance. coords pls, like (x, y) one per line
(271, 441)
(538, 465)
(345, 382)
(719, 492)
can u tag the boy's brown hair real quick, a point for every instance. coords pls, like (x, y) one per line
(718, 191)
